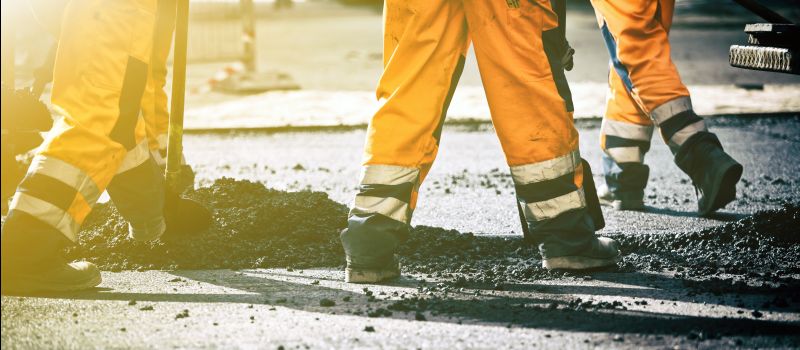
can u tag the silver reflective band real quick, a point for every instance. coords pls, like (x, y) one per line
(626, 154)
(47, 213)
(135, 157)
(546, 170)
(390, 207)
(66, 173)
(667, 110)
(388, 175)
(684, 134)
(551, 208)
(627, 130)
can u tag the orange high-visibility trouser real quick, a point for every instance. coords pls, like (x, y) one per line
(155, 109)
(154, 100)
(101, 70)
(424, 46)
(644, 85)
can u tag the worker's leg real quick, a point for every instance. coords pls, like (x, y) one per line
(625, 138)
(636, 34)
(99, 79)
(155, 108)
(640, 53)
(532, 118)
(424, 45)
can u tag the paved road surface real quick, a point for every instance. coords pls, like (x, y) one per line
(272, 308)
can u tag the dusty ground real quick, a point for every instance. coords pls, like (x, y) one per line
(642, 305)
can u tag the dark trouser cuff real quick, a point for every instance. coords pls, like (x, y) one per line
(566, 234)
(29, 244)
(625, 180)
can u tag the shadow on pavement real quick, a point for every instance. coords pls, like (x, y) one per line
(522, 305)
(718, 216)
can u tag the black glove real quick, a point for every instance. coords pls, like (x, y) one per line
(567, 60)
(23, 118)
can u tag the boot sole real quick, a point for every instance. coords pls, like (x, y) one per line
(628, 205)
(578, 262)
(30, 286)
(619, 204)
(369, 276)
(725, 191)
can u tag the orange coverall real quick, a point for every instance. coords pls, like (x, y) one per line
(645, 90)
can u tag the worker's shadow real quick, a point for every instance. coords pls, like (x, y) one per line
(534, 305)
(649, 209)
(717, 216)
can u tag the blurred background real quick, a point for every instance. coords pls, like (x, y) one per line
(329, 53)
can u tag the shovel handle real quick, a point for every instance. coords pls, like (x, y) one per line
(175, 133)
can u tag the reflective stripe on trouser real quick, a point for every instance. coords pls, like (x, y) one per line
(547, 189)
(380, 214)
(644, 88)
(424, 45)
(100, 75)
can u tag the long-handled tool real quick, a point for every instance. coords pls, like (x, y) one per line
(183, 216)
(175, 133)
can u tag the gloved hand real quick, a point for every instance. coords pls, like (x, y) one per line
(187, 173)
(567, 60)
(22, 111)
(184, 216)
(23, 118)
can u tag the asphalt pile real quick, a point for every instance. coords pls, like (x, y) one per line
(761, 251)
(257, 227)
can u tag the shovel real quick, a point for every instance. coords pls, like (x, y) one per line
(175, 133)
(183, 216)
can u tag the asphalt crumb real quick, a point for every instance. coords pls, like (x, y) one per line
(183, 314)
(255, 227)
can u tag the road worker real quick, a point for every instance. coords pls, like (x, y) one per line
(100, 143)
(425, 42)
(645, 91)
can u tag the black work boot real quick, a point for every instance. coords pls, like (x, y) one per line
(597, 252)
(33, 260)
(370, 242)
(356, 274)
(569, 242)
(713, 172)
(53, 276)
